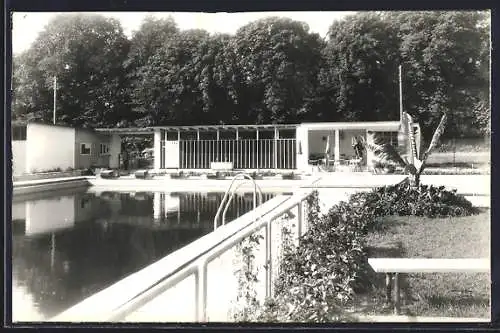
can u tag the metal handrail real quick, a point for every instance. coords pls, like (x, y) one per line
(231, 198)
(245, 175)
(199, 266)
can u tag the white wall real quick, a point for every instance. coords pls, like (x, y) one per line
(302, 147)
(95, 159)
(18, 157)
(157, 149)
(115, 148)
(346, 141)
(19, 210)
(316, 143)
(49, 147)
(40, 217)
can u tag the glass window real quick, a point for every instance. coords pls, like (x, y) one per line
(104, 149)
(19, 133)
(388, 137)
(85, 149)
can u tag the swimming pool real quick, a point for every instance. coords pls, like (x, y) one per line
(68, 245)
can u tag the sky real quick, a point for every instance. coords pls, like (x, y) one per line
(27, 25)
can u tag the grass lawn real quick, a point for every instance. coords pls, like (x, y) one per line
(451, 294)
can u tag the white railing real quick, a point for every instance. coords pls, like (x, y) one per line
(243, 153)
(225, 204)
(197, 267)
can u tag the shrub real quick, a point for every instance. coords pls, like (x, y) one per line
(289, 176)
(179, 175)
(424, 200)
(88, 172)
(319, 277)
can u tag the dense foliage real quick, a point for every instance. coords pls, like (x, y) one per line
(424, 200)
(272, 70)
(86, 54)
(320, 276)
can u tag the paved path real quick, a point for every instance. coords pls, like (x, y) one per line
(465, 184)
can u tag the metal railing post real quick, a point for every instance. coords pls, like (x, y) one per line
(269, 263)
(227, 193)
(300, 217)
(201, 292)
(232, 195)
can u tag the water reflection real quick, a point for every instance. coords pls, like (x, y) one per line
(70, 245)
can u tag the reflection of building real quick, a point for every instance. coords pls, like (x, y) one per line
(52, 214)
(65, 254)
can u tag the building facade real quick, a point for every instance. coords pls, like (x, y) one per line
(43, 147)
(265, 147)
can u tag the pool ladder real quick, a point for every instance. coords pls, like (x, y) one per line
(225, 204)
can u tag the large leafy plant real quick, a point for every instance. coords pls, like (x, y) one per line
(413, 164)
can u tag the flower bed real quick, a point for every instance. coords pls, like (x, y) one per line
(320, 277)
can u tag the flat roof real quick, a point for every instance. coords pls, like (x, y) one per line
(151, 129)
(370, 125)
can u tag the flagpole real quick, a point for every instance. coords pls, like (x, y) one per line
(400, 93)
(55, 96)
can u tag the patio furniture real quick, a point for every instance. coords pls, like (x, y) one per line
(354, 164)
(392, 267)
(141, 174)
(107, 174)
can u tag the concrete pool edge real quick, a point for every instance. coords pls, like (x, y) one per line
(469, 185)
(52, 184)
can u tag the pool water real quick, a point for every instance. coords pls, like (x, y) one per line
(67, 246)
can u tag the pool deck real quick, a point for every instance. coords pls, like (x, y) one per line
(469, 185)
(49, 184)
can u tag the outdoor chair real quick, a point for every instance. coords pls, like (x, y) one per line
(108, 174)
(142, 174)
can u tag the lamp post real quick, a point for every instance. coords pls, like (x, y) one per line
(55, 98)
(66, 67)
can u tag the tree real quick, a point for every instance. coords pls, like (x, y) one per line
(359, 75)
(414, 164)
(85, 52)
(145, 43)
(441, 55)
(276, 69)
(171, 84)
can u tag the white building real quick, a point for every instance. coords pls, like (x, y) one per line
(240, 147)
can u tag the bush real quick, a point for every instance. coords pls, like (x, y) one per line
(179, 175)
(425, 200)
(88, 172)
(319, 277)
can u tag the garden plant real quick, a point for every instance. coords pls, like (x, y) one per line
(320, 277)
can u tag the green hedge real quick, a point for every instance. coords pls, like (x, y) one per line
(319, 277)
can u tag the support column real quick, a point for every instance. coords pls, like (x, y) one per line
(276, 135)
(302, 142)
(115, 147)
(337, 146)
(258, 159)
(157, 149)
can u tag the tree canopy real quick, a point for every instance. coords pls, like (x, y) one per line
(273, 70)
